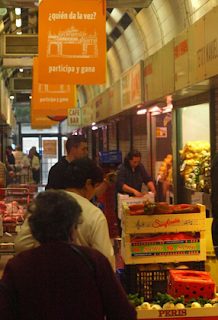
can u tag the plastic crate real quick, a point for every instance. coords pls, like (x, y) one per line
(191, 284)
(135, 279)
(145, 282)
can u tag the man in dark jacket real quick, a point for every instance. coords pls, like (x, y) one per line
(76, 147)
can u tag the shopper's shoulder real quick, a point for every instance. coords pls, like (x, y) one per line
(61, 163)
(93, 254)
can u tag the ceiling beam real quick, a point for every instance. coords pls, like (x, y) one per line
(128, 3)
(110, 3)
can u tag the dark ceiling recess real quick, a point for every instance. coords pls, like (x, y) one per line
(125, 21)
(115, 34)
(138, 9)
(22, 97)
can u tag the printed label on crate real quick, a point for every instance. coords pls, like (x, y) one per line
(158, 223)
(182, 247)
(163, 223)
(182, 314)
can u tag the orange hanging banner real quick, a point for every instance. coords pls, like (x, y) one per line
(72, 41)
(41, 122)
(52, 99)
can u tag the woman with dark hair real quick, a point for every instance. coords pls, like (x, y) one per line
(81, 178)
(132, 174)
(59, 280)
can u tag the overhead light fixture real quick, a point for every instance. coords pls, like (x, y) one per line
(18, 11)
(93, 123)
(94, 128)
(18, 23)
(21, 70)
(12, 97)
(141, 111)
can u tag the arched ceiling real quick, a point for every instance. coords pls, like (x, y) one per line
(135, 30)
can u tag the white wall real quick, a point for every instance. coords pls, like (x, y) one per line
(195, 123)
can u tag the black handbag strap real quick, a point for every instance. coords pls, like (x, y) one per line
(85, 258)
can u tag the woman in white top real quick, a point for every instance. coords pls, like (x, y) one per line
(81, 176)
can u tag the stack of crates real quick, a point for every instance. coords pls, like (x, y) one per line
(147, 263)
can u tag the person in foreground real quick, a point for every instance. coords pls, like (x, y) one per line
(81, 178)
(59, 280)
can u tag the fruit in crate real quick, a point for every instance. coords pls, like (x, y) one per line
(169, 302)
(163, 208)
(146, 207)
(149, 208)
(185, 208)
(12, 210)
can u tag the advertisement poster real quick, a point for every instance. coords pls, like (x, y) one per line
(51, 99)
(72, 41)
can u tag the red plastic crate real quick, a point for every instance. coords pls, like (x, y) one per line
(191, 284)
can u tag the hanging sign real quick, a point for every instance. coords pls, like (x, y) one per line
(74, 117)
(40, 122)
(52, 99)
(72, 41)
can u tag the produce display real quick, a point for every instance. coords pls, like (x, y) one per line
(195, 165)
(149, 208)
(166, 168)
(166, 302)
(12, 213)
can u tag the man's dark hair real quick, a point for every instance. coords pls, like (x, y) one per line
(74, 141)
(53, 213)
(80, 170)
(131, 155)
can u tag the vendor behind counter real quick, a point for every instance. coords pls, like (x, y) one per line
(132, 174)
